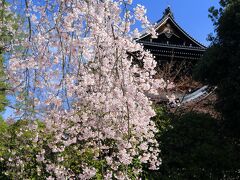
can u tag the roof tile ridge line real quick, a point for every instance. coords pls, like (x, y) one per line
(187, 33)
(169, 16)
(156, 24)
(163, 17)
(162, 20)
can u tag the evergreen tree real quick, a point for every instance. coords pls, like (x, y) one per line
(3, 100)
(8, 28)
(220, 65)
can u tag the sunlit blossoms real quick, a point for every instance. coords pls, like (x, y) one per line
(78, 73)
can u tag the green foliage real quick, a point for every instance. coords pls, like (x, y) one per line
(19, 150)
(3, 86)
(8, 26)
(3, 149)
(162, 120)
(193, 147)
(73, 158)
(8, 22)
(220, 64)
(163, 124)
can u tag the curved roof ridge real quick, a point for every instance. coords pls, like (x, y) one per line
(166, 16)
(194, 40)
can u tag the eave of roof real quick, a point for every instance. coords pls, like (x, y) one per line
(163, 20)
(172, 46)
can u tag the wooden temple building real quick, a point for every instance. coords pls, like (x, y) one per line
(173, 47)
(176, 52)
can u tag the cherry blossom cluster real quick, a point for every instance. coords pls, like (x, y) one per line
(79, 72)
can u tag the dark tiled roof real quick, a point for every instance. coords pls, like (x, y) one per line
(169, 15)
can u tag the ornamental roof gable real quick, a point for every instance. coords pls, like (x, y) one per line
(169, 32)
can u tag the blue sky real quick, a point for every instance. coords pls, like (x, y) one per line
(191, 15)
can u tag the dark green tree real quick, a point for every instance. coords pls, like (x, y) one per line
(3, 85)
(8, 24)
(6, 19)
(193, 147)
(220, 65)
(8, 28)
(3, 148)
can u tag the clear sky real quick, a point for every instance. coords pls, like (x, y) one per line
(191, 15)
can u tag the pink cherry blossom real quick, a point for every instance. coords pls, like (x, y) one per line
(80, 78)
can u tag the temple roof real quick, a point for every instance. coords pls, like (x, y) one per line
(171, 34)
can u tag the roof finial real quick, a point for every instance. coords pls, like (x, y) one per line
(168, 11)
